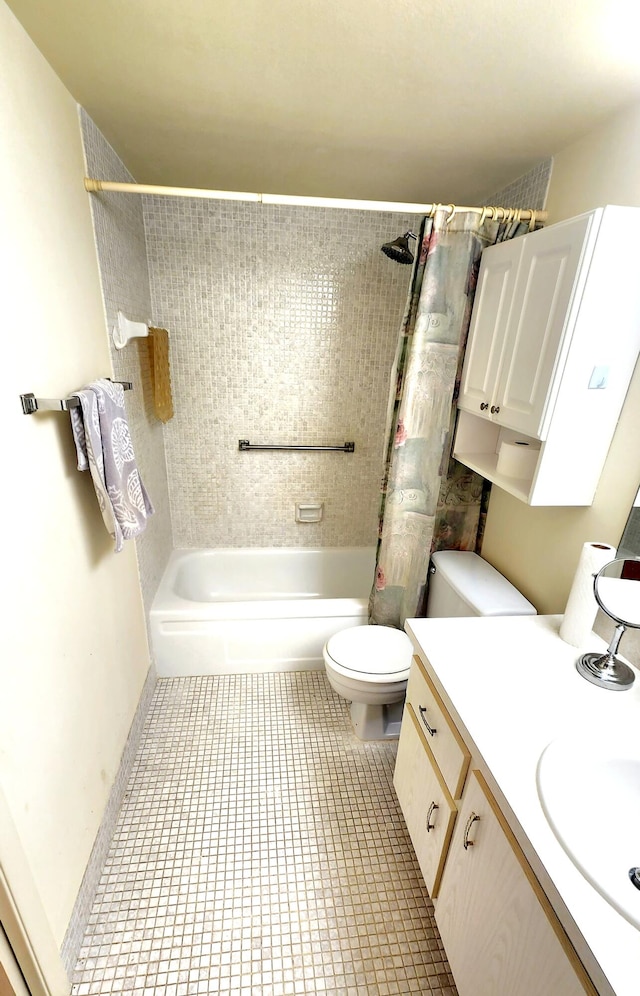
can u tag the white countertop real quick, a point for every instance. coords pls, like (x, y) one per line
(511, 686)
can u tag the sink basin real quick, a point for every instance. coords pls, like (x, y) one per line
(590, 794)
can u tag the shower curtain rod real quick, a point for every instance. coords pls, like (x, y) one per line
(498, 213)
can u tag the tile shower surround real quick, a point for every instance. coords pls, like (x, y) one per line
(287, 318)
(260, 851)
(526, 191)
(120, 244)
(284, 323)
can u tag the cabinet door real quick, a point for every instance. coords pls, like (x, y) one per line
(535, 345)
(499, 931)
(488, 325)
(428, 809)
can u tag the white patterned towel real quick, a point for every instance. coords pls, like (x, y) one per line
(103, 444)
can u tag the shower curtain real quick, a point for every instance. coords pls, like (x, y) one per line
(429, 501)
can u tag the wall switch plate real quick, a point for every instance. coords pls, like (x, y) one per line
(599, 379)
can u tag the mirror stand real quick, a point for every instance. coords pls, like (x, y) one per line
(605, 669)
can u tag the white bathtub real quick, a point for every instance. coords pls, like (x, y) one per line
(248, 611)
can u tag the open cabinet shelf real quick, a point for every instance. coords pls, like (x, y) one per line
(485, 464)
(477, 444)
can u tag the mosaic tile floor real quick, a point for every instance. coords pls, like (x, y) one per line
(260, 851)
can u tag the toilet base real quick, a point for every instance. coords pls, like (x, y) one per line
(376, 722)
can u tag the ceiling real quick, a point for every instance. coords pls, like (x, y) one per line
(417, 100)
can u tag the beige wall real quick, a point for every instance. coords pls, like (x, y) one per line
(538, 548)
(74, 654)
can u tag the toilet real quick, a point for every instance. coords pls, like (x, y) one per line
(369, 665)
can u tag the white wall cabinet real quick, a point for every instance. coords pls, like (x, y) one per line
(499, 931)
(554, 338)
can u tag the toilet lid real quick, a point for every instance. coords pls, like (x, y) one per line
(371, 649)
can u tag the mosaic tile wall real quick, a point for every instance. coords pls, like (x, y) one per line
(119, 234)
(283, 325)
(526, 191)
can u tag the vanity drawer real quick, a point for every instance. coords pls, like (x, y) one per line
(428, 809)
(446, 744)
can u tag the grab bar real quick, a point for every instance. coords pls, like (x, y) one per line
(31, 404)
(244, 444)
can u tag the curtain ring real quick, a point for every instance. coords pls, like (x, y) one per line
(532, 221)
(452, 209)
(483, 215)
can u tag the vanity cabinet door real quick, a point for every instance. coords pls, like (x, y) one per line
(428, 809)
(499, 931)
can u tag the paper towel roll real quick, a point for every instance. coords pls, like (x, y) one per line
(517, 458)
(582, 607)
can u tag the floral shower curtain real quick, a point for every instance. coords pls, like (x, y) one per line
(429, 501)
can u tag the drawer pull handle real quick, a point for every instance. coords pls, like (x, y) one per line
(495, 409)
(431, 730)
(466, 843)
(432, 808)
(483, 406)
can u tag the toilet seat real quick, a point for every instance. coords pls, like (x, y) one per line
(371, 653)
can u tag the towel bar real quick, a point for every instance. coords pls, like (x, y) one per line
(244, 444)
(31, 404)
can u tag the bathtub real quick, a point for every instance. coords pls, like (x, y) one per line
(242, 611)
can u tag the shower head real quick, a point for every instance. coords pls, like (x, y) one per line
(398, 250)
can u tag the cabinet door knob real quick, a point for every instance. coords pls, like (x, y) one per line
(466, 843)
(495, 409)
(431, 730)
(432, 808)
(483, 406)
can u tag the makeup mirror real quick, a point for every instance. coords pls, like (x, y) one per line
(617, 591)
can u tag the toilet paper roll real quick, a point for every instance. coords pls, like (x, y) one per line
(580, 613)
(517, 458)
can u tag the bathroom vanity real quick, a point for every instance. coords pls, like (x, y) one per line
(516, 915)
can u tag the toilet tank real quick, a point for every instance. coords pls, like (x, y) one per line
(463, 584)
